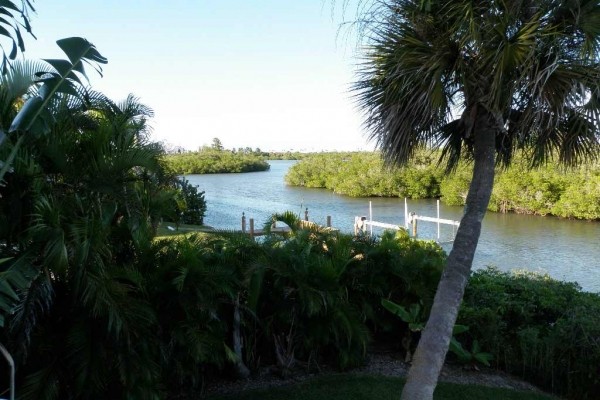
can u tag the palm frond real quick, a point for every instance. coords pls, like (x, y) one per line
(16, 277)
(43, 384)
(533, 65)
(35, 302)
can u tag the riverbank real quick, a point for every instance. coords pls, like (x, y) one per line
(547, 190)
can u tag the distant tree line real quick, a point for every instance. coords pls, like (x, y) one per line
(546, 190)
(216, 159)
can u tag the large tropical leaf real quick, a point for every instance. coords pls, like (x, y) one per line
(34, 118)
(64, 79)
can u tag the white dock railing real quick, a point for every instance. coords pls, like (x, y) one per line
(362, 223)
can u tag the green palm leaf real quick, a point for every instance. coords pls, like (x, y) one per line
(34, 118)
(15, 278)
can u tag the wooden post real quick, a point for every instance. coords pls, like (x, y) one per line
(371, 216)
(252, 228)
(414, 224)
(306, 214)
(243, 222)
(329, 221)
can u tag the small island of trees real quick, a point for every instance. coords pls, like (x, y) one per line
(215, 159)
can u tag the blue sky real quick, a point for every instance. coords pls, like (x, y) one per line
(264, 73)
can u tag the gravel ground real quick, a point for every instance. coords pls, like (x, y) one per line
(378, 363)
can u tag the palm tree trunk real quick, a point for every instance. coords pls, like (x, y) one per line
(433, 346)
(241, 370)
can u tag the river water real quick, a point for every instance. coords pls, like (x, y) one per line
(566, 250)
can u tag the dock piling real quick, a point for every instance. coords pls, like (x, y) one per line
(414, 224)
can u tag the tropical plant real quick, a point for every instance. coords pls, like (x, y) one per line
(191, 289)
(34, 118)
(10, 28)
(517, 75)
(475, 355)
(85, 198)
(413, 317)
(302, 301)
(191, 206)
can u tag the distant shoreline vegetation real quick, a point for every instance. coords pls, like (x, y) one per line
(214, 162)
(547, 190)
(215, 159)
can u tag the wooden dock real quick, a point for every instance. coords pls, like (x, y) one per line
(304, 224)
(361, 224)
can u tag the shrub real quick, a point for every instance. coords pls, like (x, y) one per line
(192, 206)
(544, 330)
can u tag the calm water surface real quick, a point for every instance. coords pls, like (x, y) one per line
(567, 250)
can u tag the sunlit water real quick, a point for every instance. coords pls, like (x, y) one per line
(567, 250)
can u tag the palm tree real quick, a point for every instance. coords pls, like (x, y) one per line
(88, 194)
(479, 79)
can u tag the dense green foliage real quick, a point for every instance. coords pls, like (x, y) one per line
(363, 174)
(78, 207)
(167, 310)
(215, 161)
(285, 155)
(191, 204)
(364, 387)
(544, 330)
(545, 190)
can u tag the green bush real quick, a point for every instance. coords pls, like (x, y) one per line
(545, 330)
(362, 174)
(581, 198)
(191, 205)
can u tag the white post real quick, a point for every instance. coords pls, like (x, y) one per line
(438, 220)
(371, 216)
(405, 214)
